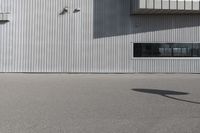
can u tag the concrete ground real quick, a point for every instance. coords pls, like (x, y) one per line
(64, 103)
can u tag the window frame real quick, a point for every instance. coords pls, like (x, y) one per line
(159, 58)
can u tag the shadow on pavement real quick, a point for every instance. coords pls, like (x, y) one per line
(166, 93)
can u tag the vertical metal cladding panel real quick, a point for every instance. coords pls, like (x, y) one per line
(38, 39)
(99, 38)
(166, 65)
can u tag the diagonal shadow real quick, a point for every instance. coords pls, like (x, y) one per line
(166, 93)
(113, 18)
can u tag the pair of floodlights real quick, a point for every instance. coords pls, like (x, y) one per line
(66, 10)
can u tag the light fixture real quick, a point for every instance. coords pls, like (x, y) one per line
(65, 10)
(77, 10)
(5, 17)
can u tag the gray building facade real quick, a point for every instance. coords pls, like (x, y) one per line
(99, 36)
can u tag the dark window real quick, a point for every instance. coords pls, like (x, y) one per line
(166, 50)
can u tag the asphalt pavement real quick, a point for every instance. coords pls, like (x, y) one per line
(99, 103)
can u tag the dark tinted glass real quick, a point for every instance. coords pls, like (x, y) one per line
(166, 50)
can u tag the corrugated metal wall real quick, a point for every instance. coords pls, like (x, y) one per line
(99, 38)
